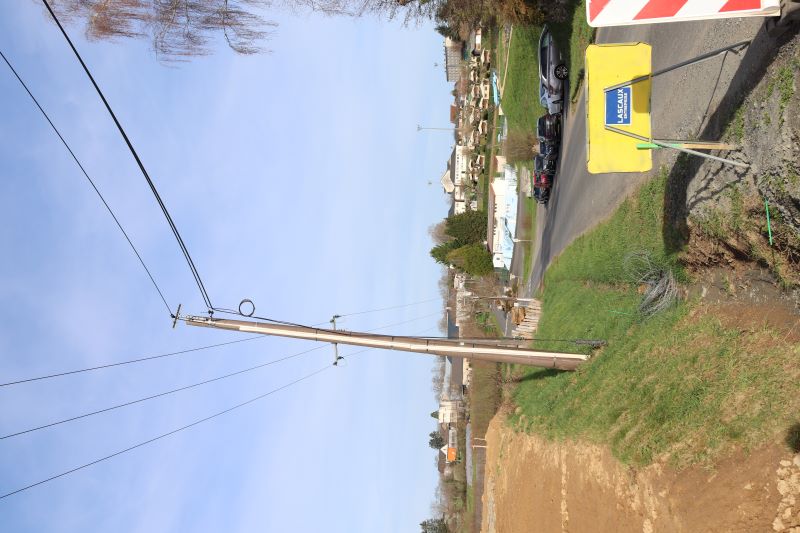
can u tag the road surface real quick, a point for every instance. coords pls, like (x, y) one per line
(681, 102)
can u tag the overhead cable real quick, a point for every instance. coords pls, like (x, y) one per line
(179, 389)
(128, 362)
(91, 182)
(159, 395)
(163, 435)
(153, 189)
(351, 354)
(392, 307)
(164, 355)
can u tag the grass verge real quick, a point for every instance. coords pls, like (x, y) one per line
(484, 396)
(529, 223)
(681, 386)
(574, 36)
(521, 92)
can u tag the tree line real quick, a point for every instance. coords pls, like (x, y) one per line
(460, 242)
(181, 29)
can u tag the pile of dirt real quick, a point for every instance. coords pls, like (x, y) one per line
(533, 484)
(725, 207)
(789, 488)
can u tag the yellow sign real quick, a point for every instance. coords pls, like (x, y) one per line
(625, 107)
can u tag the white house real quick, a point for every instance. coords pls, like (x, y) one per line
(503, 198)
(498, 189)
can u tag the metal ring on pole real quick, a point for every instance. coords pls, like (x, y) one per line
(252, 307)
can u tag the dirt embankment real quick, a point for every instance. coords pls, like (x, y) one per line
(719, 210)
(533, 485)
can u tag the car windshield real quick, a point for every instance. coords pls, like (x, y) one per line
(542, 95)
(543, 54)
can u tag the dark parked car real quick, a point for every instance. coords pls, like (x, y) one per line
(544, 170)
(548, 149)
(552, 73)
(548, 128)
(545, 164)
(541, 195)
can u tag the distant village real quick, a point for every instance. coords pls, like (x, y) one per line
(477, 178)
(476, 174)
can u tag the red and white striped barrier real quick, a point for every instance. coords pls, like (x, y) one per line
(601, 13)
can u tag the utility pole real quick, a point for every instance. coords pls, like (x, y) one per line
(473, 349)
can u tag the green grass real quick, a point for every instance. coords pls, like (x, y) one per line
(636, 225)
(578, 34)
(785, 88)
(484, 396)
(529, 233)
(680, 386)
(521, 93)
(784, 82)
(500, 54)
(488, 322)
(735, 130)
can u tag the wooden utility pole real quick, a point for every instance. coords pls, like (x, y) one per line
(472, 349)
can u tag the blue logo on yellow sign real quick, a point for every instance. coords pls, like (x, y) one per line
(618, 107)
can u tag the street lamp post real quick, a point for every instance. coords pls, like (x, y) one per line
(420, 128)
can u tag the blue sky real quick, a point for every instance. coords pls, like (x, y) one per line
(297, 179)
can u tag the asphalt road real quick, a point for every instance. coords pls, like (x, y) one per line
(681, 102)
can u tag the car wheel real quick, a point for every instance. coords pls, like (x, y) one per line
(561, 71)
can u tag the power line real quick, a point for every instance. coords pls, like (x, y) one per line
(153, 189)
(164, 435)
(285, 323)
(150, 183)
(351, 354)
(179, 389)
(164, 355)
(403, 322)
(392, 307)
(91, 182)
(159, 395)
(128, 362)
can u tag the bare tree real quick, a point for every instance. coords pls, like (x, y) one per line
(437, 232)
(179, 29)
(437, 377)
(410, 11)
(520, 145)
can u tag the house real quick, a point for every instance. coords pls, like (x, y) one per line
(503, 225)
(455, 178)
(451, 400)
(447, 182)
(453, 59)
(497, 194)
(486, 89)
(449, 411)
(450, 450)
(474, 41)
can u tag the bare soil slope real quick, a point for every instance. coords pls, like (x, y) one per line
(534, 485)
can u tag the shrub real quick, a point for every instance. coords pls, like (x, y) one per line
(473, 259)
(467, 227)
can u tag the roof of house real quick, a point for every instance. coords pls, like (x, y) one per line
(447, 182)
